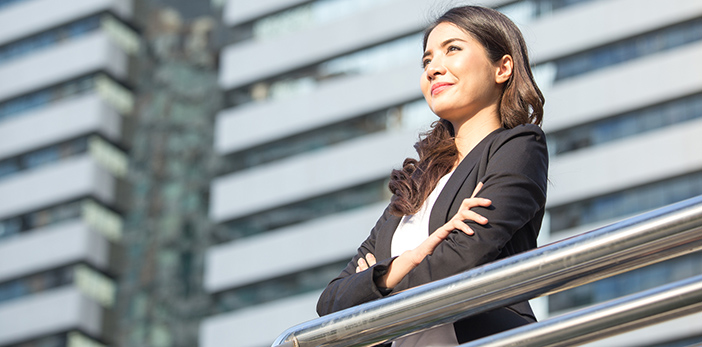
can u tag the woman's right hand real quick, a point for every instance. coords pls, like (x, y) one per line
(408, 260)
(455, 223)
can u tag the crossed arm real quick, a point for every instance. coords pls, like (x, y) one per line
(408, 260)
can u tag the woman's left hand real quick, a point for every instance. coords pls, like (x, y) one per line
(456, 223)
(410, 259)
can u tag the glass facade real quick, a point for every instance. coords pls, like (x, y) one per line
(624, 125)
(36, 283)
(631, 48)
(313, 208)
(48, 38)
(16, 106)
(54, 340)
(48, 216)
(47, 155)
(277, 288)
(400, 51)
(626, 202)
(307, 15)
(411, 115)
(627, 283)
(319, 12)
(404, 50)
(96, 215)
(166, 228)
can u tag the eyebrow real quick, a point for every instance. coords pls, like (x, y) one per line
(443, 44)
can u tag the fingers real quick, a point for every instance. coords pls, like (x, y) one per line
(364, 264)
(477, 189)
(370, 259)
(463, 215)
(474, 202)
(462, 226)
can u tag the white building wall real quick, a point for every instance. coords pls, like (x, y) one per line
(308, 175)
(51, 247)
(56, 183)
(624, 87)
(591, 172)
(63, 120)
(349, 33)
(91, 53)
(239, 128)
(47, 313)
(594, 24)
(31, 17)
(333, 238)
(258, 325)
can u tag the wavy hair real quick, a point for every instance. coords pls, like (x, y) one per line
(521, 102)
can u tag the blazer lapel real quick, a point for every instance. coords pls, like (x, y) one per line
(440, 212)
(384, 241)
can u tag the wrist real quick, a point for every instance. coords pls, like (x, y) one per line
(413, 257)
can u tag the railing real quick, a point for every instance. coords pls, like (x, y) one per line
(646, 239)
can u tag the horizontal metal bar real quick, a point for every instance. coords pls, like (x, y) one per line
(606, 319)
(642, 240)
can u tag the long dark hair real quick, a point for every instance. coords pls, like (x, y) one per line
(521, 103)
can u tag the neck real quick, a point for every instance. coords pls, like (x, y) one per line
(474, 129)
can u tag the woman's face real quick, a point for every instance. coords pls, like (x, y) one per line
(459, 80)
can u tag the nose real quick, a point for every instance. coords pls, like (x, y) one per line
(435, 68)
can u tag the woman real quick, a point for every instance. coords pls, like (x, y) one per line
(477, 79)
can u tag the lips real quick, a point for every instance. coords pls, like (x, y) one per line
(437, 88)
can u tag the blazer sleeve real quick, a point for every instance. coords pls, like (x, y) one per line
(351, 288)
(515, 179)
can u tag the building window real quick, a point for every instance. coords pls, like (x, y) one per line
(414, 115)
(47, 155)
(15, 106)
(277, 288)
(100, 218)
(49, 38)
(109, 90)
(307, 15)
(119, 32)
(339, 201)
(89, 281)
(625, 125)
(528, 10)
(629, 49)
(55, 340)
(404, 50)
(106, 154)
(627, 283)
(625, 203)
(35, 283)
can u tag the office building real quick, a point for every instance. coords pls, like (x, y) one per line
(64, 105)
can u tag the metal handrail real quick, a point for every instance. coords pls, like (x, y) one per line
(642, 240)
(606, 319)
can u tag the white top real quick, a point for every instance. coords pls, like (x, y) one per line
(412, 231)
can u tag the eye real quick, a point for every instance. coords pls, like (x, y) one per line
(452, 48)
(425, 62)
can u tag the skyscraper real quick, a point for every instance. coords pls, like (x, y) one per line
(322, 101)
(63, 114)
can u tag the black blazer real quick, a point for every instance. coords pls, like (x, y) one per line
(513, 165)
